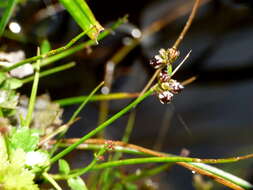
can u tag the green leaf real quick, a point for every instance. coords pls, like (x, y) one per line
(7, 15)
(12, 83)
(84, 17)
(64, 166)
(35, 85)
(77, 184)
(24, 138)
(14, 175)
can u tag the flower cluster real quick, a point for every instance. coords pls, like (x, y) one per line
(164, 58)
(167, 87)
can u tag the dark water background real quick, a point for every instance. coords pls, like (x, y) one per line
(212, 117)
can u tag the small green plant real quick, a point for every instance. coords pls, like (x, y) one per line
(32, 141)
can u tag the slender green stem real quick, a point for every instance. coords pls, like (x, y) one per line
(85, 102)
(33, 93)
(146, 173)
(225, 175)
(108, 174)
(90, 166)
(172, 159)
(129, 127)
(52, 181)
(116, 148)
(50, 53)
(50, 71)
(63, 51)
(102, 126)
(72, 119)
(189, 165)
(7, 15)
(99, 97)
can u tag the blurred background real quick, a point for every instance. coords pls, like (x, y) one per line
(211, 118)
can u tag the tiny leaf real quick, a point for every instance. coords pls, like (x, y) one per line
(24, 138)
(64, 166)
(77, 184)
(12, 83)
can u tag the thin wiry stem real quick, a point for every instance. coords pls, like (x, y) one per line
(151, 80)
(50, 71)
(102, 126)
(187, 25)
(50, 53)
(51, 180)
(90, 166)
(175, 46)
(33, 93)
(73, 117)
(218, 175)
(123, 51)
(67, 50)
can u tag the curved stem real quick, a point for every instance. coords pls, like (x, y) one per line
(218, 175)
(187, 25)
(102, 126)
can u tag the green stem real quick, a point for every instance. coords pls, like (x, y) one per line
(50, 71)
(218, 172)
(7, 15)
(85, 102)
(146, 173)
(102, 126)
(129, 127)
(33, 94)
(215, 171)
(50, 53)
(116, 148)
(64, 129)
(52, 181)
(66, 50)
(172, 159)
(90, 166)
(108, 173)
(99, 97)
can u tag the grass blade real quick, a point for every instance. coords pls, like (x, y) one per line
(7, 15)
(33, 93)
(84, 17)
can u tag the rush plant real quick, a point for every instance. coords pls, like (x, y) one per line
(31, 142)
